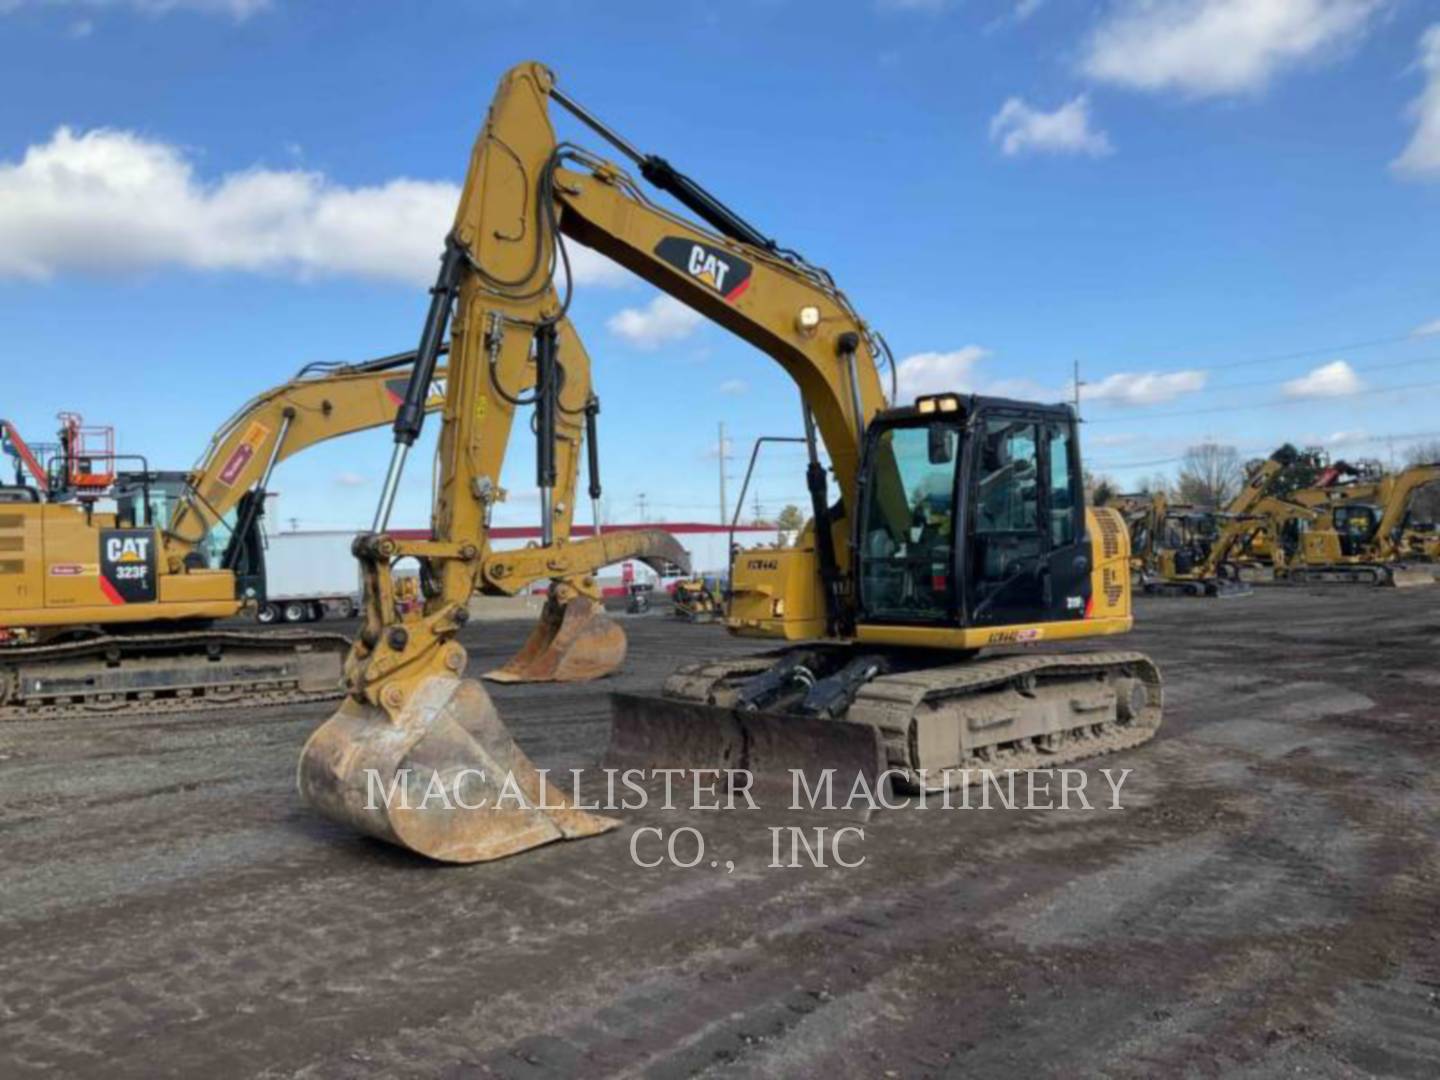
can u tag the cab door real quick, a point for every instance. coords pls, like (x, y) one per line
(1027, 557)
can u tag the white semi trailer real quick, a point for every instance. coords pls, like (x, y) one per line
(309, 575)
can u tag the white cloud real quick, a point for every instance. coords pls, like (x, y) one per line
(1144, 387)
(659, 322)
(239, 10)
(1336, 379)
(956, 372)
(938, 373)
(351, 480)
(1025, 8)
(1218, 47)
(1428, 329)
(1421, 158)
(1347, 438)
(734, 387)
(1020, 128)
(116, 202)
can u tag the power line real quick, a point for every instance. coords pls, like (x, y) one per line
(1302, 354)
(1272, 404)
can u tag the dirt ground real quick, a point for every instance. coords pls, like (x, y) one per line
(1267, 900)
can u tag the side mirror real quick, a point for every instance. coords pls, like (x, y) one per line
(941, 444)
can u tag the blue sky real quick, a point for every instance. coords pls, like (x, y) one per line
(1226, 211)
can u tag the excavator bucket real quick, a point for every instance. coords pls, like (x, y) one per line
(573, 642)
(442, 778)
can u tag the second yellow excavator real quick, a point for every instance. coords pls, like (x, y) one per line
(102, 610)
(960, 525)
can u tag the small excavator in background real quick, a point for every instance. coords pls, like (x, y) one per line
(697, 600)
(959, 525)
(1365, 531)
(1184, 550)
(104, 610)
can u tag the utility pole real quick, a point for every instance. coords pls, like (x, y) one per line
(641, 500)
(758, 512)
(1077, 384)
(720, 453)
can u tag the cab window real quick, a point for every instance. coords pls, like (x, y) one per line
(908, 541)
(1062, 502)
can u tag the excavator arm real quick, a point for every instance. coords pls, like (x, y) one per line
(1396, 503)
(322, 402)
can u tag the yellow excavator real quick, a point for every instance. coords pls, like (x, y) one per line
(1363, 532)
(1184, 550)
(697, 600)
(960, 525)
(103, 610)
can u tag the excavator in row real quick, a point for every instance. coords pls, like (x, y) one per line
(1184, 550)
(1366, 531)
(109, 609)
(1362, 531)
(946, 527)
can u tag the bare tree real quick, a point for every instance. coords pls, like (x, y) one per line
(1210, 475)
(1423, 453)
(1157, 484)
(1100, 489)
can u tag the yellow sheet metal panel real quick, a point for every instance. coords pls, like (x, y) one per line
(776, 593)
(22, 582)
(934, 637)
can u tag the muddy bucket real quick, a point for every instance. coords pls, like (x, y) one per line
(443, 778)
(573, 642)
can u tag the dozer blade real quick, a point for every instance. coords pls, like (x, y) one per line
(1228, 588)
(1409, 577)
(444, 779)
(572, 642)
(666, 733)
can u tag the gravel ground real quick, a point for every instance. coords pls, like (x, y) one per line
(1267, 900)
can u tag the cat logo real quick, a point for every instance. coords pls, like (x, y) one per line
(133, 549)
(127, 566)
(395, 391)
(713, 267)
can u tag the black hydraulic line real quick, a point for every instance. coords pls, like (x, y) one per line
(817, 484)
(547, 391)
(592, 444)
(411, 418)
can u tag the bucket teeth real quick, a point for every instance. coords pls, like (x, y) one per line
(443, 779)
(574, 641)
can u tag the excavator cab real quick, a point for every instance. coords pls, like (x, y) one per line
(971, 515)
(1355, 525)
